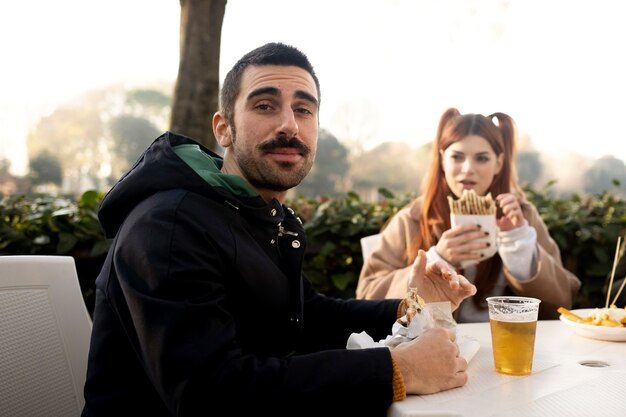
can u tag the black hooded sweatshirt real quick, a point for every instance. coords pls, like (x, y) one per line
(202, 308)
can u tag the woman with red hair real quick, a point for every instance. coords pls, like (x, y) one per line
(472, 152)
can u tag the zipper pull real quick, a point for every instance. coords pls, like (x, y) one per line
(282, 231)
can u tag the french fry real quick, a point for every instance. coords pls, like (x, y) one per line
(600, 317)
(571, 316)
(472, 203)
(609, 323)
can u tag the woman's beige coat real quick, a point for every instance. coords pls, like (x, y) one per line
(386, 271)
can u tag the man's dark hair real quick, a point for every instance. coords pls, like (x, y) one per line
(274, 53)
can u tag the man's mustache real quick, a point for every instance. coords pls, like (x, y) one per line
(284, 142)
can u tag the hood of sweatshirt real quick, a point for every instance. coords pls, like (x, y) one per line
(175, 161)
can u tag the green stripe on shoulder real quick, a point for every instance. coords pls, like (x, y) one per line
(208, 168)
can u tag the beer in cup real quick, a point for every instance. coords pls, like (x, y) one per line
(513, 323)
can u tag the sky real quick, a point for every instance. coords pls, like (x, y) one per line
(388, 69)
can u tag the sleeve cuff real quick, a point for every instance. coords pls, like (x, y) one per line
(399, 390)
(518, 250)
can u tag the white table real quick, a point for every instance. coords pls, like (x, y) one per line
(560, 385)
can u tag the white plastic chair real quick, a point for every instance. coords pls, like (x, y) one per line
(44, 337)
(368, 244)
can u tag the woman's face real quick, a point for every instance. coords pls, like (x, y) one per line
(470, 163)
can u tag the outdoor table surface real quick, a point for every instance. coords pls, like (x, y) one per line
(560, 384)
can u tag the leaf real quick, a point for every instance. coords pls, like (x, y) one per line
(67, 241)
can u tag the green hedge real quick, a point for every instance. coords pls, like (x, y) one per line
(334, 228)
(585, 228)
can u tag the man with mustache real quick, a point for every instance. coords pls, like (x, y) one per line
(201, 305)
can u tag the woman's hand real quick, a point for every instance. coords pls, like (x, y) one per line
(461, 243)
(512, 216)
(436, 281)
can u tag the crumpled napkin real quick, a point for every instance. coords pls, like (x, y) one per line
(432, 315)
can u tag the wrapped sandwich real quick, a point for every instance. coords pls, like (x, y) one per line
(418, 317)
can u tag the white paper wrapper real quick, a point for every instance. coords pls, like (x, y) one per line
(433, 315)
(488, 224)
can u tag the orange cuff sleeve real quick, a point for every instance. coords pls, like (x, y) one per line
(399, 390)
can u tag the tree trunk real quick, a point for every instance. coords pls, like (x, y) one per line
(197, 86)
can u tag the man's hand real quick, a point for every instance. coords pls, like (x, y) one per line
(431, 362)
(438, 282)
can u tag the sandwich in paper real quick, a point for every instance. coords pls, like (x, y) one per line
(472, 208)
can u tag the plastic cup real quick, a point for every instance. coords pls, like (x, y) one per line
(513, 322)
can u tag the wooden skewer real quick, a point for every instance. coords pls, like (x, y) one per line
(621, 287)
(608, 291)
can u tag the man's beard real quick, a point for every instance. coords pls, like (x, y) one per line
(262, 173)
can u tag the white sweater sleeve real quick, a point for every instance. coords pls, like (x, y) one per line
(432, 255)
(518, 250)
